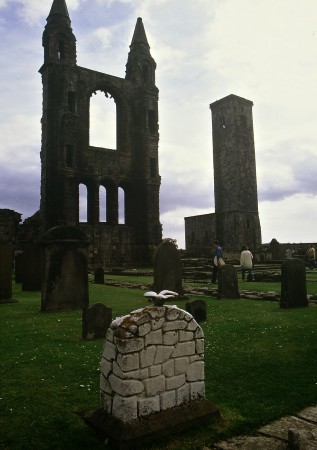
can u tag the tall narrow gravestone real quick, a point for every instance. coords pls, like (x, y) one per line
(152, 378)
(167, 268)
(293, 284)
(228, 282)
(65, 284)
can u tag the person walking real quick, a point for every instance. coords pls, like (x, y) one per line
(246, 263)
(217, 261)
(311, 253)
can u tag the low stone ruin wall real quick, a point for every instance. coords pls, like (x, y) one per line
(152, 361)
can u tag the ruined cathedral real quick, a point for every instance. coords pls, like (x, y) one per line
(68, 159)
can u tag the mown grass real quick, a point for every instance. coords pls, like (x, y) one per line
(260, 364)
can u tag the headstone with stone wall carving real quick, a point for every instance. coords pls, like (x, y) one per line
(293, 284)
(152, 378)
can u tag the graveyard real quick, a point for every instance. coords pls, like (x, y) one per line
(260, 363)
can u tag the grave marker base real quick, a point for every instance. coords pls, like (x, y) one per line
(129, 435)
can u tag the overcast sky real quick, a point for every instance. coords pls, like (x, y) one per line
(262, 50)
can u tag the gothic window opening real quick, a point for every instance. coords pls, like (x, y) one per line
(61, 50)
(102, 204)
(121, 205)
(83, 203)
(103, 121)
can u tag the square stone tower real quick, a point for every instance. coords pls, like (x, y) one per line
(235, 184)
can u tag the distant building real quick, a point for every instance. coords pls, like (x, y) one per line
(236, 218)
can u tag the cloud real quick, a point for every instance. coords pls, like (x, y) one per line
(265, 51)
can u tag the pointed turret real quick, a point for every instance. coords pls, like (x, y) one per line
(59, 13)
(139, 36)
(140, 67)
(59, 41)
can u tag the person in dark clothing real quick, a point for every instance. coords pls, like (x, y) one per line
(218, 254)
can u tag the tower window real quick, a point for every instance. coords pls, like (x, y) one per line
(71, 101)
(61, 50)
(69, 155)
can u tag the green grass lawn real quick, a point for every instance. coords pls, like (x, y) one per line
(260, 364)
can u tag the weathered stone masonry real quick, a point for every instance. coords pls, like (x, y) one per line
(153, 360)
(69, 160)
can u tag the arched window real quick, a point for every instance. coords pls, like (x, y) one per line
(83, 203)
(103, 121)
(102, 204)
(121, 201)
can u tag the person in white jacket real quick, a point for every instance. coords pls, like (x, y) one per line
(246, 263)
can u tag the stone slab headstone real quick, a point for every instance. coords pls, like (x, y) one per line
(197, 308)
(6, 262)
(95, 321)
(99, 275)
(152, 380)
(228, 282)
(32, 270)
(65, 284)
(293, 284)
(167, 268)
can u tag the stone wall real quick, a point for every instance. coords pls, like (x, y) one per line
(153, 360)
(9, 222)
(200, 232)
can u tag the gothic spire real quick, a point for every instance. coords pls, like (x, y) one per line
(139, 36)
(140, 67)
(59, 13)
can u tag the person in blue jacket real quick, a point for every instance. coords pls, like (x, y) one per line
(217, 255)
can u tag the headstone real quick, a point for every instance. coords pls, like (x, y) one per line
(167, 268)
(152, 378)
(18, 267)
(293, 284)
(99, 275)
(6, 261)
(32, 270)
(197, 308)
(228, 282)
(96, 321)
(65, 284)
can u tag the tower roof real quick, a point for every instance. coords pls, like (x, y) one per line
(230, 98)
(59, 13)
(139, 36)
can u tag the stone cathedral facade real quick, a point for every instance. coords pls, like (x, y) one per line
(69, 160)
(236, 218)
